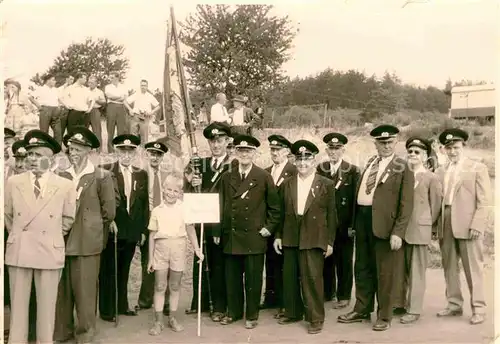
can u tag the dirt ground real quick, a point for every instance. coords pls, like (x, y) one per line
(429, 329)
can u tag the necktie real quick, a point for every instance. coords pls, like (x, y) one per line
(372, 177)
(214, 164)
(37, 187)
(156, 190)
(242, 176)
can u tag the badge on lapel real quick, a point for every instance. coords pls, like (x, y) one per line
(135, 185)
(246, 192)
(280, 181)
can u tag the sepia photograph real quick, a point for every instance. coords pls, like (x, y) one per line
(280, 172)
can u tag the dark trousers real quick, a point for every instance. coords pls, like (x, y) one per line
(77, 290)
(251, 266)
(116, 116)
(77, 118)
(373, 268)
(274, 277)
(147, 291)
(303, 284)
(50, 118)
(338, 270)
(95, 123)
(125, 254)
(63, 120)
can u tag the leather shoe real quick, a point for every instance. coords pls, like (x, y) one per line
(340, 304)
(450, 312)
(108, 318)
(129, 313)
(287, 320)
(409, 318)
(381, 325)
(227, 320)
(477, 319)
(280, 314)
(251, 324)
(399, 311)
(315, 327)
(352, 317)
(217, 317)
(140, 307)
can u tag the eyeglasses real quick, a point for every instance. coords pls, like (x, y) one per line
(412, 151)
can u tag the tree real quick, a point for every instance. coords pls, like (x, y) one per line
(236, 51)
(93, 57)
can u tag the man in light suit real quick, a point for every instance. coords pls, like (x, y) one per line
(95, 210)
(306, 236)
(156, 151)
(280, 170)
(464, 218)
(39, 212)
(384, 203)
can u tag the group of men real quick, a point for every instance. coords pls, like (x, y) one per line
(79, 102)
(300, 220)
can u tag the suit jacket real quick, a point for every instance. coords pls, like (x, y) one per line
(319, 221)
(37, 226)
(393, 199)
(345, 181)
(131, 225)
(210, 177)
(288, 171)
(95, 210)
(472, 199)
(426, 209)
(247, 207)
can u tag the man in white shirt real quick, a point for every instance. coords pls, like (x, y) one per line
(116, 113)
(62, 93)
(464, 218)
(243, 119)
(144, 109)
(95, 114)
(79, 102)
(384, 204)
(305, 238)
(218, 112)
(46, 99)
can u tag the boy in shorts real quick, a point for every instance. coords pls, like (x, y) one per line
(167, 251)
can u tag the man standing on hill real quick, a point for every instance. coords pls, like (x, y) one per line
(280, 170)
(338, 269)
(116, 114)
(384, 206)
(464, 217)
(218, 111)
(95, 114)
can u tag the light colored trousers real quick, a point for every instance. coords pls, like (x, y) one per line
(46, 282)
(471, 254)
(416, 259)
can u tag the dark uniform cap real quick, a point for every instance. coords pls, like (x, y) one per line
(126, 140)
(19, 149)
(335, 140)
(239, 98)
(279, 141)
(453, 135)
(304, 148)
(384, 132)
(82, 136)
(420, 143)
(246, 141)
(156, 147)
(216, 129)
(8, 133)
(38, 138)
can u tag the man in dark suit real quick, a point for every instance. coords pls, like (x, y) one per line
(250, 209)
(338, 271)
(280, 170)
(383, 209)
(155, 151)
(306, 237)
(95, 210)
(212, 169)
(132, 217)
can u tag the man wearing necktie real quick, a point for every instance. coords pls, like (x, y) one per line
(212, 169)
(280, 170)
(305, 237)
(155, 151)
(250, 210)
(132, 218)
(464, 218)
(338, 268)
(95, 210)
(39, 212)
(383, 208)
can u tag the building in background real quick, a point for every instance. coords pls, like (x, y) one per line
(476, 101)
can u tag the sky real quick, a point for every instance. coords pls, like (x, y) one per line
(425, 42)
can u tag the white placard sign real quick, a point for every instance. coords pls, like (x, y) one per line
(201, 208)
